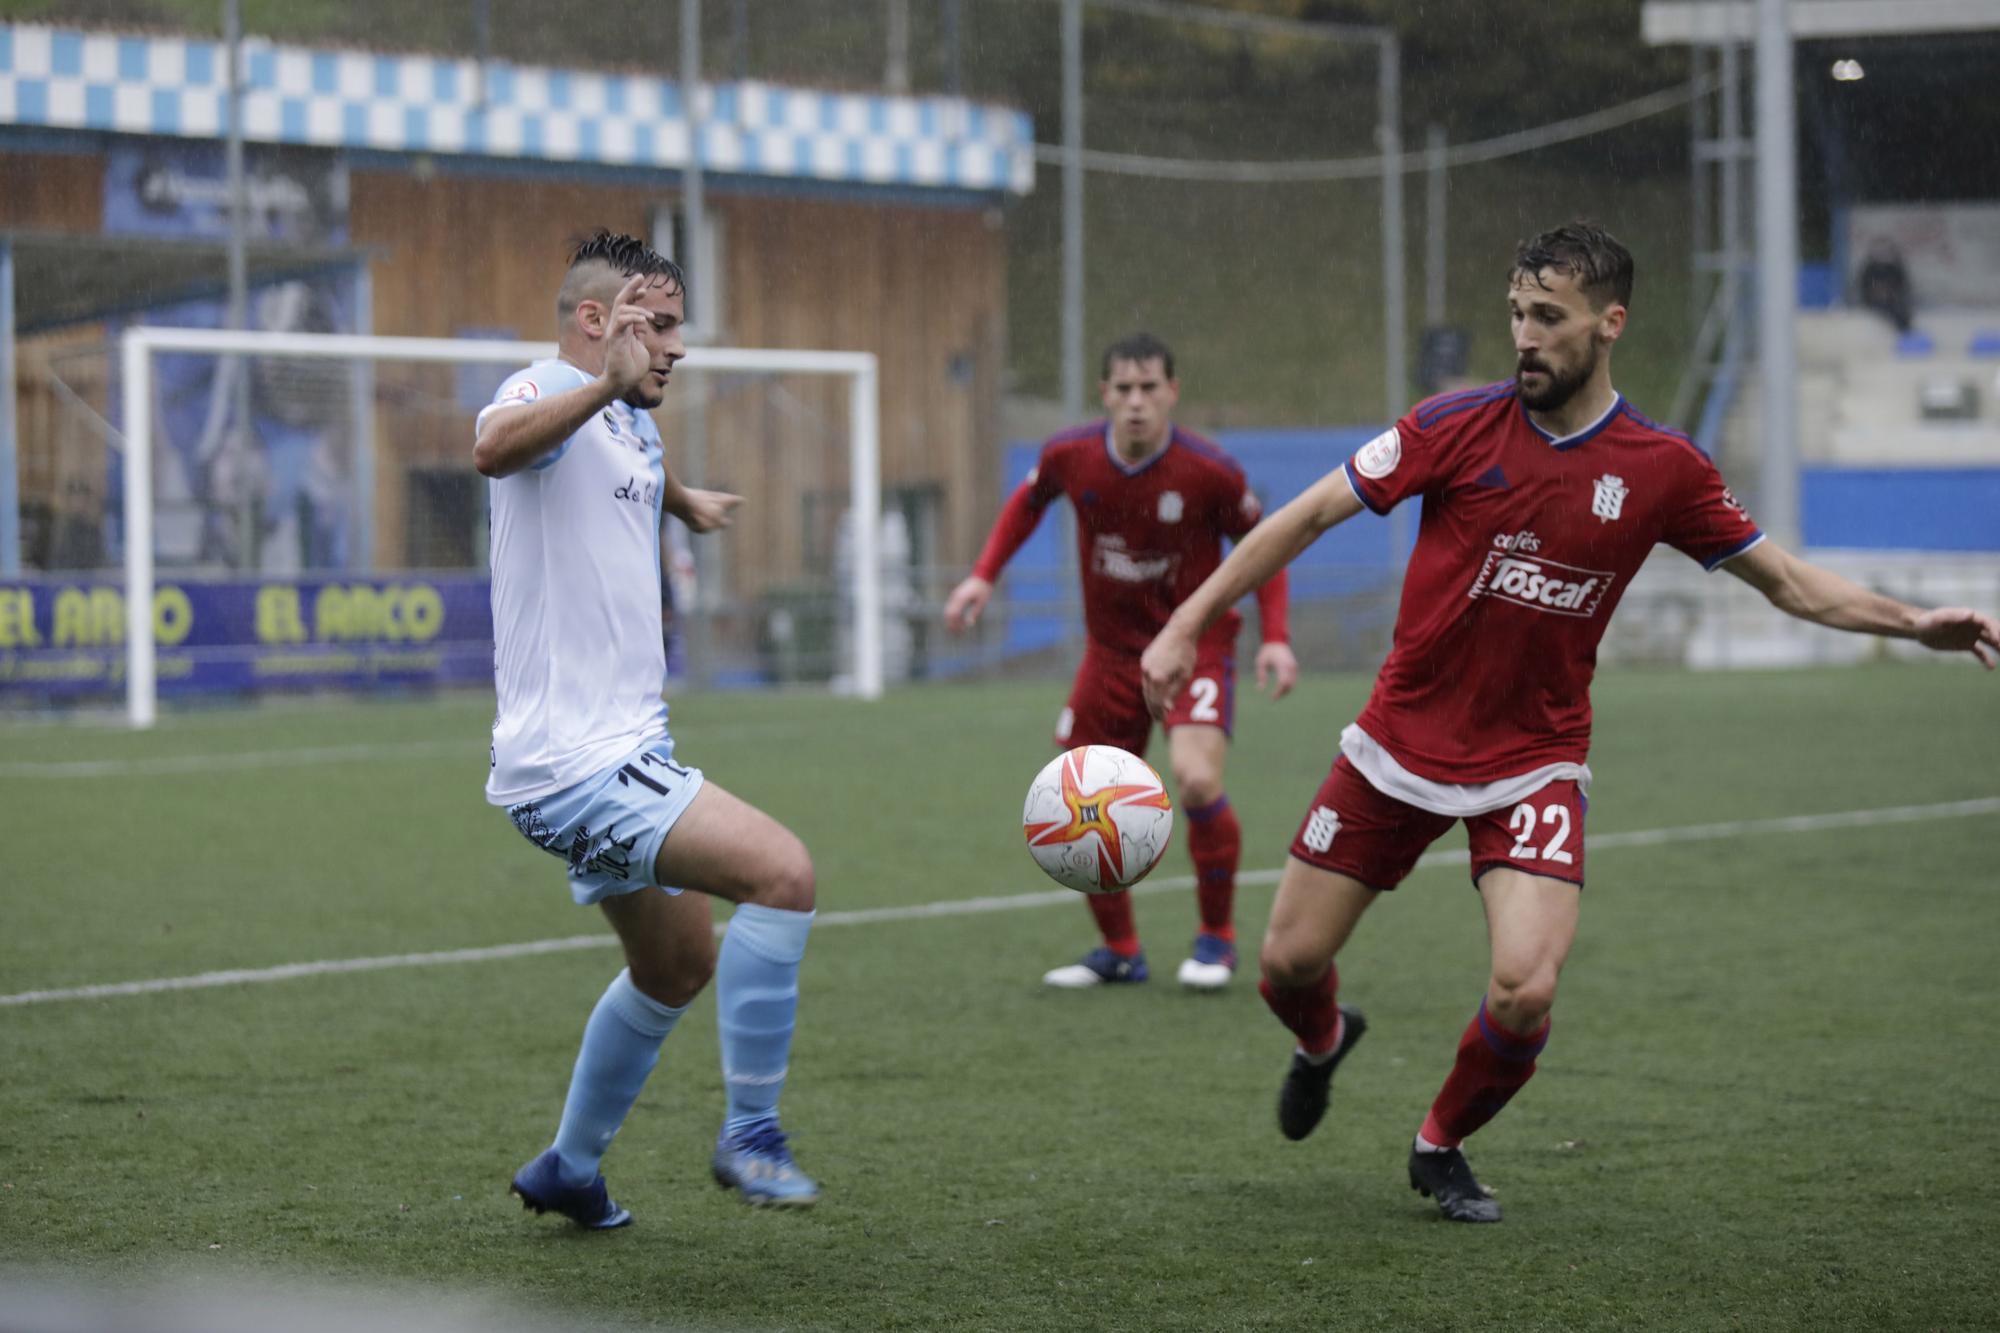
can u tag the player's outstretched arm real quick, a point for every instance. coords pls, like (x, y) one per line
(1015, 524)
(513, 438)
(1799, 588)
(1168, 661)
(516, 437)
(967, 603)
(702, 511)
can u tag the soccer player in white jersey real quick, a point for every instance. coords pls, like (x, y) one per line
(581, 756)
(1542, 496)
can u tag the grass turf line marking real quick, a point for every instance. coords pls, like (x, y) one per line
(1685, 833)
(236, 762)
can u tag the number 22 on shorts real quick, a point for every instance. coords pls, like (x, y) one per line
(1553, 819)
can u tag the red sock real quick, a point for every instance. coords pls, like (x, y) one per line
(1492, 1066)
(1308, 1010)
(1114, 921)
(1215, 841)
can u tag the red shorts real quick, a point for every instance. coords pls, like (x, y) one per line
(1355, 830)
(1108, 707)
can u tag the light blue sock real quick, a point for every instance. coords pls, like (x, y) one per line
(756, 1003)
(621, 1044)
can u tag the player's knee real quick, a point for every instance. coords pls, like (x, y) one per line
(1287, 963)
(1197, 786)
(675, 987)
(675, 978)
(787, 883)
(1520, 1000)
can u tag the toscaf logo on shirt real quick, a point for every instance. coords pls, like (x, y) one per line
(1110, 558)
(1515, 572)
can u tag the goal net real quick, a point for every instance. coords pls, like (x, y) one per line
(300, 511)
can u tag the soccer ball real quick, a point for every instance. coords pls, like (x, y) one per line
(1097, 819)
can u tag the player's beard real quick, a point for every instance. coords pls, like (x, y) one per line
(1562, 385)
(644, 396)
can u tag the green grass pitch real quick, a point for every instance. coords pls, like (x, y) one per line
(1772, 1099)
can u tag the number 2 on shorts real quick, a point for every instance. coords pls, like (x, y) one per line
(1205, 692)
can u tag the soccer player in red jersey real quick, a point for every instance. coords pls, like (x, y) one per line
(1542, 496)
(1153, 504)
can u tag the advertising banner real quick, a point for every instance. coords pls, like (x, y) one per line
(65, 638)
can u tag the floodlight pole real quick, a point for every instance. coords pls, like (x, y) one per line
(1436, 182)
(1395, 333)
(896, 65)
(361, 411)
(10, 477)
(702, 319)
(1072, 228)
(1777, 272)
(239, 268)
(1072, 266)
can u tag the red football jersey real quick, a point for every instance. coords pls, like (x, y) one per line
(1146, 534)
(1527, 543)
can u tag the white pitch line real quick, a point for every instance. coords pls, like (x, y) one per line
(1013, 902)
(237, 762)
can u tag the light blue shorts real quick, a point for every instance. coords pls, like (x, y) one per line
(609, 827)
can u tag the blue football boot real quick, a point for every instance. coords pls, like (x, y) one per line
(756, 1162)
(1099, 967)
(1210, 964)
(539, 1187)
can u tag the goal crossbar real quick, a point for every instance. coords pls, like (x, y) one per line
(142, 342)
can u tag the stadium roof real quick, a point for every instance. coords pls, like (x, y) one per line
(1701, 22)
(62, 78)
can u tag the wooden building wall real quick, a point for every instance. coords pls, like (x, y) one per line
(55, 191)
(923, 288)
(61, 456)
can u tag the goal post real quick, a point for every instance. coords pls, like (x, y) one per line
(142, 344)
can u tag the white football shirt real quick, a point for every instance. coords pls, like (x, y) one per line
(578, 657)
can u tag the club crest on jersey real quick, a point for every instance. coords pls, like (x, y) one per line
(1378, 458)
(1170, 506)
(1541, 584)
(1607, 501)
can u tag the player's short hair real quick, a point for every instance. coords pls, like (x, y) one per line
(1137, 348)
(1592, 256)
(599, 264)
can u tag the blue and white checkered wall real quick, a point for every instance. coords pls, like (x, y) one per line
(61, 78)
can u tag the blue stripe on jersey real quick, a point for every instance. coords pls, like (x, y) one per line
(1207, 449)
(1680, 437)
(1354, 483)
(1089, 430)
(1433, 410)
(1131, 469)
(1712, 565)
(1435, 401)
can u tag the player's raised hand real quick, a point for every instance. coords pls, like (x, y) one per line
(1957, 629)
(626, 359)
(1165, 669)
(1277, 669)
(705, 511)
(962, 609)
